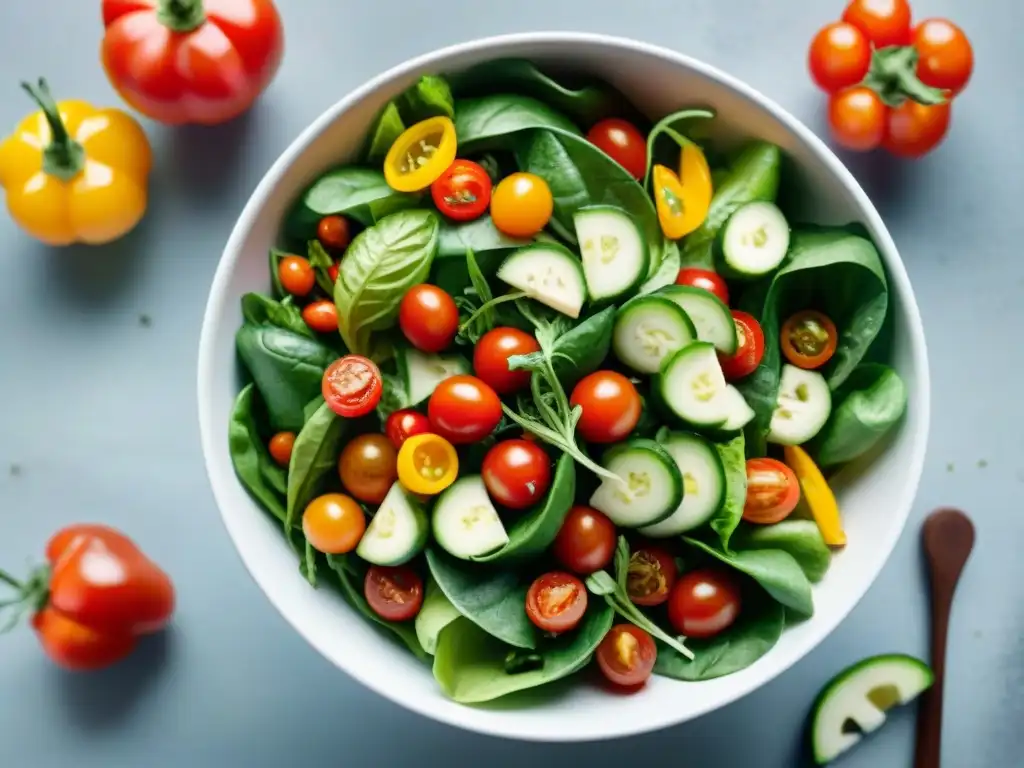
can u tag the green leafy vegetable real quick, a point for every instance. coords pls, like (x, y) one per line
(249, 453)
(276, 254)
(436, 613)
(800, 538)
(579, 351)
(734, 462)
(479, 234)
(314, 456)
(431, 96)
(308, 565)
(263, 310)
(667, 127)
(483, 315)
(275, 475)
(386, 130)
(492, 121)
(321, 262)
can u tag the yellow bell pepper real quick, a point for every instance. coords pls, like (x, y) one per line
(74, 173)
(683, 201)
(420, 155)
(427, 464)
(817, 495)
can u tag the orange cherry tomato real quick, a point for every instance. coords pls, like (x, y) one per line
(280, 447)
(333, 523)
(522, 204)
(463, 192)
(945, 57)
(772, 491)
(333, 233)
(623, 143)
(626, 656)
(368, 467)
(394, 593)
(857, 117)
(296, 275)
(428, 317)
(321, 316)
(840, 56)
(916, 129)
(556, 602)
(808, 339)
(883, 22)
(352, 386)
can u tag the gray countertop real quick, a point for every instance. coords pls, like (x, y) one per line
(98, 414)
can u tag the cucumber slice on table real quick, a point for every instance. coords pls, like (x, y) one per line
(648, 330)
(691, 387)
(422, 372)
(703, 484)
(855, 701)
(710, 316)
(397, 533)
(754, 241)
(802, 408)
(548, 273)
(651, 487)
(465, 523)
(615, 255)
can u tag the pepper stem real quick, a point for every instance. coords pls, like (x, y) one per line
(181, 15)
(63, 157)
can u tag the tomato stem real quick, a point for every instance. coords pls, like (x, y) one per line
(63, 157)
(181, 15)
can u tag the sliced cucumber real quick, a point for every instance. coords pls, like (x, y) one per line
(397, 533)
(649, 329)
(422, 372)
(710, 316)
(548, 273)
(691, 387)
(855, 701)
(614, 252)
(802, 408)
(651, 487)
(465, 522)
(703, 484)
(754, 241)
(740, 412)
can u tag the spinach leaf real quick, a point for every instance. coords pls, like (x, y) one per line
(865, 407)
(756, 632)
(394, 396)
(776, 571)
(800, 538)
(581, 350)
(287, 368)
(380, 265)
(431, 96)
(387, 128)
(314, 456)
(480, 235)
(667, 272)
(470, 666)
(263, 310)
(249, 453)
(436, 613)
(492, 599)
(275, 475)
(490, 121)
(321, 262)
(734, 461)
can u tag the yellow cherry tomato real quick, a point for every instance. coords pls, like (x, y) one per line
(74, 173)
(817, 495)
(420, 155)
(427, 464)
(683, 201)
(522, 204)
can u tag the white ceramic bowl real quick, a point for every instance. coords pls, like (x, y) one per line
(875, 500)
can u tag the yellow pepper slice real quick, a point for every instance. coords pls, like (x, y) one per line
(420, 155)
(817, 495)
(74, 173)
(683, 201)
(427, 464)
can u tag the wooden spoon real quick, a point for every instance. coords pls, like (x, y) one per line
(947, 536)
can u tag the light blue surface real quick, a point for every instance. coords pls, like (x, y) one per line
(98, 414)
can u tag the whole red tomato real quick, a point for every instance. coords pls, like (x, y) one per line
(191, 61)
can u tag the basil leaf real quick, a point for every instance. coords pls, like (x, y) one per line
(263, 310)
(734, 462)
(491, 121)
(249, 453)
(436, 613)
(314, 456)
(386, 130)
(431, 96)
(800, 538)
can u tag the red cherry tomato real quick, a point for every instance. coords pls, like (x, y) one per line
(296, 275)
(749, 349)
(517, 473)
(706, 279)
(556, 602)
(704, 603)
(586, 541)
(428, 317)
(321, 316)
(857, 118)
(333, 233)
(623, 143)
(883, 22)
(916, 129)
(191, 61)
(626, 656)
(463, 410)
(611, 406)
(394, 594)
(280, 447)
(401, 425)
(491, 354)
(772, 491)
(332, 272)
(945, 57)
(651, 575)
(352, 386)
(839, 57)
(463, 192)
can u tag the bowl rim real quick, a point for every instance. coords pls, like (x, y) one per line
(494, 724)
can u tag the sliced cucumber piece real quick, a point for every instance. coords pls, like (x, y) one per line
(649, 329)
(465, 522)
(397, 533)
(548, 273)
(754, 241)
(855, 701)
(802, 408)
(615, 255)
(740, 412)
(422, 372)
(651, 487)
(691, 387)
(703, 484)
(710, 316)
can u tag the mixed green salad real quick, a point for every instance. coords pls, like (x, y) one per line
(539, 382)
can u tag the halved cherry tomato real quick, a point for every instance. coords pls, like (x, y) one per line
(808, 339)
(280, 447)
(704, 603)
(556, 602)
(682, 202)
(857, 117)
(915, 129)
(840, 56)
(651, 575)
(427, 464)
(401, 425)
(428, 317)
(626, 656)
(883, 22)
(749, 347)
(611, 406)
(464, 409)
(945, 58)
(491, 354)
(517, 473)
(772, 491)
(522, 204)
(586, 541)
(394, 594)
(333, 523)
(463, 192)
(321, 316)
(710, 281)
(420, 155)
(333, 233)
(352, 386)
(623, 143)
(368, 467)
(296, 275)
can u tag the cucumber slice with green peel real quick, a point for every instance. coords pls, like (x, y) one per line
(397, 533)
(855, 701)
(709, 314)
(465, 522)
(651, 487)
(802, 408)
(548, 273)
(703, 484)
(649, 329)
(422, 372)
(753, 242)
(614, 252)
(692, 389)
(740, 412)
